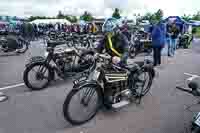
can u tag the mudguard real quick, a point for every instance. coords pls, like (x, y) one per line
(35, 59)
(147, 66)
(92, 83)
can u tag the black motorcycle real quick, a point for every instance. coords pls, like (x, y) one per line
(13, 44)
(139, 44)
(194, 89)
(109, 85)
(184, 41)
(65, 62)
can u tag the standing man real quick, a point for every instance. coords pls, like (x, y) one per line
(168, 38)
(175, 33)
(158, 42)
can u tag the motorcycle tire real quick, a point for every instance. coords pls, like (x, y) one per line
(132, 52)
(196, 130)
(148, 87)
(68, 99)
(90, 64)
(26, 74)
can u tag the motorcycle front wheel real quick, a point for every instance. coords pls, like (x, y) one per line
(81, 105)
(142, 82)
(42, 75)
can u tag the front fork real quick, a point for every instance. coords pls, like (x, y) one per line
(51, 68)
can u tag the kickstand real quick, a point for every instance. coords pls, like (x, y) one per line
(138, 99)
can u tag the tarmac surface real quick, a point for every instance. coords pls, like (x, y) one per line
(163, 110)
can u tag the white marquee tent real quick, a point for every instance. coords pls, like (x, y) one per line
(51, 21)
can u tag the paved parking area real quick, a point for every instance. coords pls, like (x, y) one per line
(161, 111)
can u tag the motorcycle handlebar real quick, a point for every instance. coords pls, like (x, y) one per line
(103, 56)
(185, 90)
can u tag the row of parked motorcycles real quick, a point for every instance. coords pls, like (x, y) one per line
(99, 83)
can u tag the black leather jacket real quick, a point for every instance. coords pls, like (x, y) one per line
(119, 43)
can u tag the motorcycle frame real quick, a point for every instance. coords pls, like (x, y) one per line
(51, 57)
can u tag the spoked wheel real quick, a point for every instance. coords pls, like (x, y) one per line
(132, 52)
(81, 105)
(142, 82)
(87, 62)
(37, 76)
(85, 45)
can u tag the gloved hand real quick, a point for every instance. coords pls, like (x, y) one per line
(116, 60)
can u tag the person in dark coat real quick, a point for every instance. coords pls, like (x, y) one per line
(158, 42)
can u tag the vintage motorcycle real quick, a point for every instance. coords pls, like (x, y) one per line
(194, 89)
(139, 44)
(184, 41)
(13, 44)
(109, 86)
(64, 61)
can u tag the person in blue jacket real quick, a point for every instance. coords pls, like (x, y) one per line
(158, 41)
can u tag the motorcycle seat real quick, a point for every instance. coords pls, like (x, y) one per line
(70, 51)
(135, 65)
(54, 43)
(139, 63)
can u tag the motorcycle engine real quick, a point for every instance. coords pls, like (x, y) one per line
(64, 59)
(116, 91)
(116, 84)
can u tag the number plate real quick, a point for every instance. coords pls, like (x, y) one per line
(84, 78)
(197, 119)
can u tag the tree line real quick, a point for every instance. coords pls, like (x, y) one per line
(87, 16)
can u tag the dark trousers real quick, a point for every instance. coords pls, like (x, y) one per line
(157, 55)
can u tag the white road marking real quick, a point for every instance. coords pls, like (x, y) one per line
(4, 63)
(11, 86)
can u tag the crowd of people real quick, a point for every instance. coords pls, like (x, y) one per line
(162, 34)
(35, 30)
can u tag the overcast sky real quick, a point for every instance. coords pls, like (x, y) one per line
(96, 7)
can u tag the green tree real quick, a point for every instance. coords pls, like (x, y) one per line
(196, 16)
(147, 16)
(60, 15)
(150, 17)
(86, 16)
(73, 19)
(186, 17)
(194, 30)
(153, 17)
(159, 15)
(116, 14)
